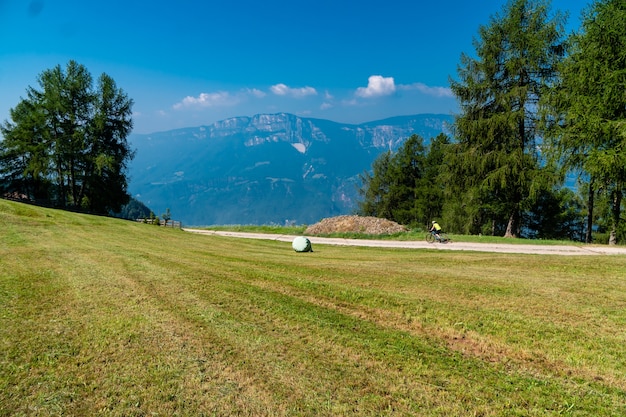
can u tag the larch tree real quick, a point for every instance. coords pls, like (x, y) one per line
(24, 155)
(107, 151)
(66, 142)
(587, 109)
(497, 158)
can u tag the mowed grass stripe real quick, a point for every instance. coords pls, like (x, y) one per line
(113, 318)
(255, 328)
(519, 323)
(112, 339)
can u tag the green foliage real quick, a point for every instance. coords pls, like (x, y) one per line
(133, 210)
(405, 186)
(556, 215)
(375, 188)
(406, 172)
(586, 111)
(66, 144)
(430, 188)
(499, 177)
(24, 158)
(167, 216)
(497, 169)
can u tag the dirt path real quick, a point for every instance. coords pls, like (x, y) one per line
(576, 250)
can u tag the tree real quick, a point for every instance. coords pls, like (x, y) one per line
(390, 192)
(24, 157)
(167, 216)
(497, 165)
(107, 151)
(375, 188)
(587, 109)
(556, 214)
(431, 191)
(407, 171)
(67, 140)
(404, 186)
(134, 210)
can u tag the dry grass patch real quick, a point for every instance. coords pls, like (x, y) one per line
(355, 224)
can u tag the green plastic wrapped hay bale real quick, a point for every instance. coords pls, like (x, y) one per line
(302, 244)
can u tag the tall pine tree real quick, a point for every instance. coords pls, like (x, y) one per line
(66, 143)
(497, 164)
(588, 109)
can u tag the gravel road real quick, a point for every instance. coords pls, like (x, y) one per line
(565, 250)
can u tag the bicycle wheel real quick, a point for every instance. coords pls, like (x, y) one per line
(430, 238)
(444, 238)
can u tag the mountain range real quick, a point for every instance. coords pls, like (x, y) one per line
(265, 169)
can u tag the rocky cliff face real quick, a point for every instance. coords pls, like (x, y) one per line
(269, 168)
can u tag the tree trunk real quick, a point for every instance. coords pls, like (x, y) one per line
(61, 197)
(590, 202)
(72, 182)
(511, 227)
(616, 210)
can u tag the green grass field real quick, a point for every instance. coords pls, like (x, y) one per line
(107, 317)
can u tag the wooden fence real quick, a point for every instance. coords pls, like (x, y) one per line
(164, 223)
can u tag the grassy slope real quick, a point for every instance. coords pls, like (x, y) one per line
(106, 317)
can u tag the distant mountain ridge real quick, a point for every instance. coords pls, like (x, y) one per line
(265, 169)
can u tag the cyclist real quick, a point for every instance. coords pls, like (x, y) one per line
(436, 230)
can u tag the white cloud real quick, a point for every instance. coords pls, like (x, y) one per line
(431, 91)
(329, 100)
(377, 86)
(284, 90)
(256, 93)
(219, 99)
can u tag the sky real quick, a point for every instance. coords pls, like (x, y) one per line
(190, 63)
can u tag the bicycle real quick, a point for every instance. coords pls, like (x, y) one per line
(432, 237)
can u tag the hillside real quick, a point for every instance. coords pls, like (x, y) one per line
(101, 316)
(265, 169)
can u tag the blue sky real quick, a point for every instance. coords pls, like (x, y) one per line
(190, 63)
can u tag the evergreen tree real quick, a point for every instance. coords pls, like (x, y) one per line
(587, 110)
(108, 152)
(430, 193)
(67, 142)
(405, 186)
(407, 171)
(24, 154)
(556, 214)
(375, 188)
(497, 164)
(134, 210)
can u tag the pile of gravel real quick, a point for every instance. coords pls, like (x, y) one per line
(355, 224)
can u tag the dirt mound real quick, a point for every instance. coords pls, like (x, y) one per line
(355, 224)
